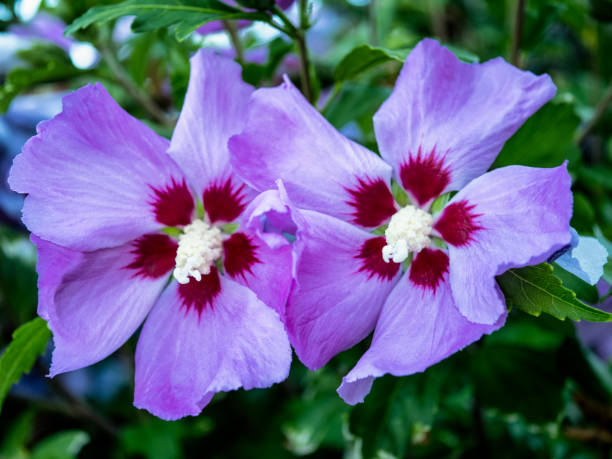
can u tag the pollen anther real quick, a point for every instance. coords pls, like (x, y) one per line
(408, 231)
(199, 246)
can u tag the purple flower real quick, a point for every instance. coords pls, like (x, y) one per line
(439, 131)
(216, 26)
(101, 189)
(44, 27)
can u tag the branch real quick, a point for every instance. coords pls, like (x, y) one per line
(518, 32)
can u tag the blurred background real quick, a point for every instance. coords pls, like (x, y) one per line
(539, 387)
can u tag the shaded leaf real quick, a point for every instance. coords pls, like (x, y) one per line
(45, 64)
(398, 411)
(62, 445)
(29, 341)
(365, 57)
(535, 289)
(546, 139)
(185, 16)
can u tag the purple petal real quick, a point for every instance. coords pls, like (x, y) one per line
(91, 174)
(456, 114)
(340, 287)
(270, 276)
(185, 356)
(92, 301)
(214, 110)
(523, 215)
(417, 328)
(285, 137)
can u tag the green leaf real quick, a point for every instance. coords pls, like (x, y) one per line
(398, 411)
(546, 139)
(363, 58)
(62, 445)
(582, 289)
(29, 341)
(184, 16)
(353, 101)
(535, 289)
(499, 373)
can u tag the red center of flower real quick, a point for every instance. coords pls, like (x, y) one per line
(240, 255)
(200, 294)
(372, 262)
(428, 268)
(173, 205)
(153, 256)
(224, 201)
(425, 177)
(373, 203)
(458, 223)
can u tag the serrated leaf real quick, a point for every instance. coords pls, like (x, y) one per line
(29, 341)
(184, 16)
(535, 289)
(62, 445)
(363, 58)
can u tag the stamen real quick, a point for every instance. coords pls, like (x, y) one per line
(408, 231)
(199, 246)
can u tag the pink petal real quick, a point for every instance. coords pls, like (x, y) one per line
(417, 328)
(91, 174)
(523, 216)
(93, 301)
(446, 120)
(339, 289)
(214, 110)
(183, 357)
(285, 137)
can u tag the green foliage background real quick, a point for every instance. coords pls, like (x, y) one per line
(533, 389)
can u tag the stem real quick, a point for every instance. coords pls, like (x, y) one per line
(232, 32)
(330, 100)
(123, 78)
(303, 51)
(518, 32)
(372, 20)
(600, 111)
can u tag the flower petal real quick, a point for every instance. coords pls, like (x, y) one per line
(184, 357)
(446, 120)
(417, 328)
(93, 301)
(91, 174)
(214, 110)
(341, 284)
(303, 149)
(522, 215)
(270, 274)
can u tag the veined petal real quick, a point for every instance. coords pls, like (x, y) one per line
(93, 301)
(341, 284)
(214, 110)
(94, 175)
(417, 328)
(185, 356)
(446, 120)
(303, 149)
(520, 217)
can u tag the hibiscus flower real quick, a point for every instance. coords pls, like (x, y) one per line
(424, 280)
(121, 237)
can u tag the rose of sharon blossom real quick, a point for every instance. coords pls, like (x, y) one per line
(428, 284)
(101, 188)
